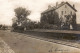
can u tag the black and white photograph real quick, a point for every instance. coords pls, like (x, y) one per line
(39, 26)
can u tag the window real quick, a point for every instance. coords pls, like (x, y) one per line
(65, 12)
(62, 12)
(71, 12)
(65, 6)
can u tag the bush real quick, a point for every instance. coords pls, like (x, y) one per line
(50, 26)
(0, 26)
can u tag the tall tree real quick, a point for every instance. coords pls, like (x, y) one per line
(21, 18)
(21, 14)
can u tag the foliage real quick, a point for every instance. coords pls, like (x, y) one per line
(21, 14)
(74, 24)
(43, 19)
(49, 19)
(54, 18)
(65, 24)
(30, 25)
(0, 26)
(3, 27)
(70, 20)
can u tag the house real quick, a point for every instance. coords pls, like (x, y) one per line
(65, 12)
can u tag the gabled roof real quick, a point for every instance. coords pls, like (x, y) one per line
(71, 6)
(59, 5)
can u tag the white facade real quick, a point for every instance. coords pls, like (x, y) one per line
(65, 10)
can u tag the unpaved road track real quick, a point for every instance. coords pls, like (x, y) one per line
(23, 43)
(4, 48)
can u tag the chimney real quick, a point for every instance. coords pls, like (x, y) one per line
(73, 5)
(49, 7)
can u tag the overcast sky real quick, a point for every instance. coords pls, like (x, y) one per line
(35, 6)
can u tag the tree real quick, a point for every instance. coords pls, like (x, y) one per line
(56, 18)
(0, 26)
(50, 18)
(53, 18)
(44, 19)
(21, 14)
(74, 24)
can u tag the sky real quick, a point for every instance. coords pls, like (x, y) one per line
(35, 6)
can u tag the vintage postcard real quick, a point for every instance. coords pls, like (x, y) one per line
(39, 26)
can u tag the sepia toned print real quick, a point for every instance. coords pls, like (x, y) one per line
(39, 26)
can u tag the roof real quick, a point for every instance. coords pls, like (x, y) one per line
(59, 5)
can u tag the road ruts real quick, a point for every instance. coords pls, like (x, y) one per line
(63, 42)
(24, 43)
(4, 48)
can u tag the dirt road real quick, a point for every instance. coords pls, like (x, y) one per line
(22, 43)
(4, 48)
